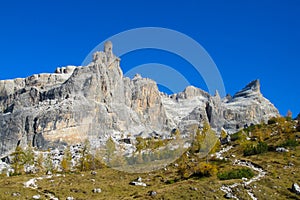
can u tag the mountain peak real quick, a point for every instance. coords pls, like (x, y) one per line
(254, 85)
(251, 89)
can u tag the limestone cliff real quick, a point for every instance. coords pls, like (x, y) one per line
(96, 102)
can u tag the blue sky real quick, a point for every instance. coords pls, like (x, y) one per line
(246, 39)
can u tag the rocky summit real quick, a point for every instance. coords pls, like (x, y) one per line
(97, 101)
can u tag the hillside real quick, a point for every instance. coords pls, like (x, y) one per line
(268, 154)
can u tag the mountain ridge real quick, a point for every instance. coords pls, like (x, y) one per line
(97, 101)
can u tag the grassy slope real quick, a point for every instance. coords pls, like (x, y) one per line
(282, 169)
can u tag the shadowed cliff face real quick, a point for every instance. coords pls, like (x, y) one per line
(96, 101)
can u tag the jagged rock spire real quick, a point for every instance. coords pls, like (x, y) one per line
(108, 47)
(106, 57)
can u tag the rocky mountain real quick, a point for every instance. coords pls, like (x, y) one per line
(193, 105)
(97, 101)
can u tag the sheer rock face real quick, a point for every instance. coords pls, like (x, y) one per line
(96, 102)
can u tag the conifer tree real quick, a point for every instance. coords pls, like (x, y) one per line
(48, 163)
(223, 134)
(117, 161)
(29, 155)
(18, 160)
(110, 149)
(97, 161)
(66, 163)
(198, 141)
(289, 115)
(86, 157)
(298, 124)
(39, 165)
(140, 144)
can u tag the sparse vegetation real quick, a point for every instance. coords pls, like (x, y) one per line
(188, 177)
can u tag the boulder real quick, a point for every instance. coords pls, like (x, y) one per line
(152, 193)
(96, 190)
(16, 194)
(225, 140)
(31, 183)
(296, 188)
(281, 149)
(138, 182)
(139, 179)
(49, 173)
(229, 195)
(36, 197)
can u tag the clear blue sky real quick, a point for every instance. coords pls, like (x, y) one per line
(246, 39)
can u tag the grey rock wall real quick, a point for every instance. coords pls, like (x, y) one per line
(96, 101)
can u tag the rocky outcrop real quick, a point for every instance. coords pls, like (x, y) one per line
(93, 101)
(247, 107)
(193, 106)
(96, 102)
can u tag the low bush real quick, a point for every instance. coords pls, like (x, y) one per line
(236, 174)
(290, 143)
(205, 170)
(272, 121)
(238, 136)
(260, 148)
(172, 181)
(235, 136)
